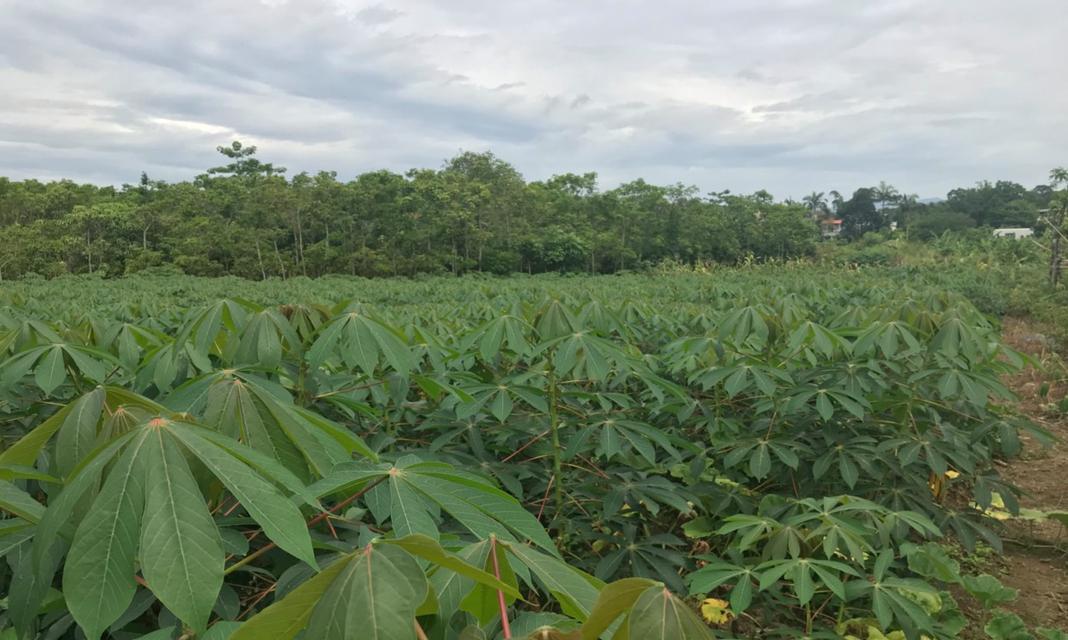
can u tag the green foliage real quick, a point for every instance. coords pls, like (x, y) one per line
(475, 214)
(344, 458)
(934, 222)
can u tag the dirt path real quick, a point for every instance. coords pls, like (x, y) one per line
(1036, 553)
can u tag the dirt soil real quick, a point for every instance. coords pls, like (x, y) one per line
(1036, 553)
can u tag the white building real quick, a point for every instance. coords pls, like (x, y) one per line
(1014, 232)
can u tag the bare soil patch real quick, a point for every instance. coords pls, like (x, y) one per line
(1036, 553)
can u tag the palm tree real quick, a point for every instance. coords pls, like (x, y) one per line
(816, 203)
(885, 194)
(836, 200)
(1058, 175)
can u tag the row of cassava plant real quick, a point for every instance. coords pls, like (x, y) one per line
(461, 459)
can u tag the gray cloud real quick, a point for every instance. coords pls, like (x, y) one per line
(788, 95)
(378, 14)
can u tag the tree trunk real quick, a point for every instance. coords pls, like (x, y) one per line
(259, 258)
(278, 256)
(298, 240)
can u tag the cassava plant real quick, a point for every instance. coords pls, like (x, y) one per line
(449, 460)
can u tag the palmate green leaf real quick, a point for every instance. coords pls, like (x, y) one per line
(576, 590)
(1005, 625)
(483, 601)
(659, 615)
(14, 368)
(98, 580)
(584, 355)
(494, 334)
(262, 415)
(553, 320)
(361, 341)
(374, 598)
(279, 517)
(408, 512)
(453, 587)
(988, 590)
(78, 433)
(49, 364)
(473, 501)
(371, 594)
(260, 342)
(823, 406)
(618, 434)
(321, 428)
(51, 371)
(25, 451)
(181, 553)
(501, 406)
(444, 495)
(56, 520)
(476, 503)
(428, 549)
(91, 363)
(284, 619)
(267, 467)
(760, 460)
(717, 573)
(348, 477)
(613, 601)
(236, 410)
(32, 583)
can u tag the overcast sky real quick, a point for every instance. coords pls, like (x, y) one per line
(787, 95)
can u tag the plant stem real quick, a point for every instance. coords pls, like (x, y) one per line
(302, 383)
(311, 523)
(419, 633)
(506, 629)
(554, 430)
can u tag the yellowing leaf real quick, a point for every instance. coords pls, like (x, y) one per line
(716, 611)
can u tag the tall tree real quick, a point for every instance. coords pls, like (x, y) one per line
(816, 203)
(859, 214)
(244, 163)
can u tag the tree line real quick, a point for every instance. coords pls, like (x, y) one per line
(988, 204)
(475, 213)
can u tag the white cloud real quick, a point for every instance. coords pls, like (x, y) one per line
(788, 95)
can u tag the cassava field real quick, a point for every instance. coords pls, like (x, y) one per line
(780, 451)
